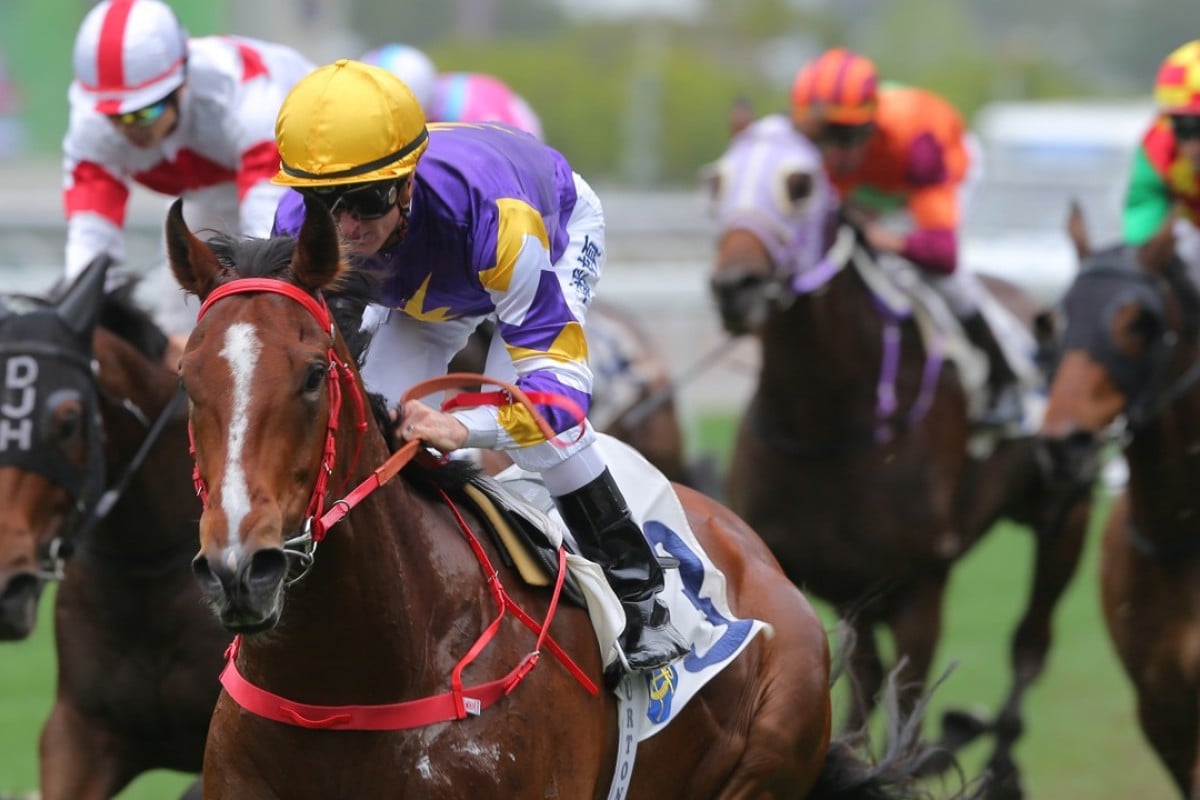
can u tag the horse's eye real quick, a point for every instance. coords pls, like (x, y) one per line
(1146, 325)
(67, 429)
(315, 378)
(1134, 329)
(68, 425)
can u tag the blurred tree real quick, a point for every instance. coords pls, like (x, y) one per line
(38, 36)
(1142, 34)
(465, 20)
(579, 82)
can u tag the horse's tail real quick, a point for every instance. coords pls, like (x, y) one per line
(850, 772)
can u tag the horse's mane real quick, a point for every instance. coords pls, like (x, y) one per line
(347, 297)
(122, 315)
(270, 258)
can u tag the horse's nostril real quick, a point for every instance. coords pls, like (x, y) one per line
(1079, 442)
(210, 584)
(19, 586)
(266, 570)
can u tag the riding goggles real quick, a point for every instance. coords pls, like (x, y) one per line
(363, 201)
(143, 117)
(1185, 126)
(841, 135)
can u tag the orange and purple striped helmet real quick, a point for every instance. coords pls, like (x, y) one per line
(839, 86)
(1177, 87)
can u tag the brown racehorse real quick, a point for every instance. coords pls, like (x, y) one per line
(632, 394)
(852, 458)
(1132, 348)
(395, 596)
(137, 651)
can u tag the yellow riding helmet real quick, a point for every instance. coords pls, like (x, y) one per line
(1177, 87)
(348, 122)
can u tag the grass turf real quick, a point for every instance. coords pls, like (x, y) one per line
(1081, 737)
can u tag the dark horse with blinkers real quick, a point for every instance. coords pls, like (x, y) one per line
(94, 464)
(1130, 372)
(356, 661)
(852, 459)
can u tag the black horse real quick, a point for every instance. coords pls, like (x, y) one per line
(96, 490)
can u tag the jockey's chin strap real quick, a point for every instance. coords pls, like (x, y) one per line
(460, 701)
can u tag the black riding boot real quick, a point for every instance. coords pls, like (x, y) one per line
(1004, 396)
(606, 533)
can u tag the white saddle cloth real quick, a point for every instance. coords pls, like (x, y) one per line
(695, 592)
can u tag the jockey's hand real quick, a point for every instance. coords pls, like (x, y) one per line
(435, 428)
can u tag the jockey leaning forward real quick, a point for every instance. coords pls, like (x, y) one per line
(1165, 177)
(897, 147)
(491, 223)
(184, 117)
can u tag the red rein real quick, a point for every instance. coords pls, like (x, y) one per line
(461, 701)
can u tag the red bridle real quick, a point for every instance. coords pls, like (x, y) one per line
(341, 380)
(461, 701)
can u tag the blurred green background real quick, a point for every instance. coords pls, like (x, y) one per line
(639, 92)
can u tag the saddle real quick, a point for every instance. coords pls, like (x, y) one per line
(904, 294)
(517, 518)
(524, 520)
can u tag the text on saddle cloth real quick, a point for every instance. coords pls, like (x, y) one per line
(695, 592)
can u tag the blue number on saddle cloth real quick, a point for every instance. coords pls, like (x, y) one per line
(716, 638)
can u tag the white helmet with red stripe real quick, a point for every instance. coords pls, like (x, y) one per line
(129, 54)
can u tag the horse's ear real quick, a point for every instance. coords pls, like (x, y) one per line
(741, 114)
(192, 261)
(1077, 230)
(1157, 252)
(1047, 327)
(79, 308)
(318, 257)
(709, 178)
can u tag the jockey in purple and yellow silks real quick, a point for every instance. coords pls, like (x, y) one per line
(491, 223)
(1166, 168)
(895, 148)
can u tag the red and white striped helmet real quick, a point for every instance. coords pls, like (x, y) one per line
(129, 54)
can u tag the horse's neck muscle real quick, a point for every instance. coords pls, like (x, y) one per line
(386, 583)
(156, 513)
(1164, 465)
(127, 375)
(821, 359)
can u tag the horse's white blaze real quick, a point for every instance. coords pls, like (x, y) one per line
(241, 351)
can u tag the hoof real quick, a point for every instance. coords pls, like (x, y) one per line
(960, 728)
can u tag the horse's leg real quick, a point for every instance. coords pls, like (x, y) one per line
(915, 619)
(865, 669)
(78, 759)
(1059, 546)
(1170, 727)
(916, 625)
